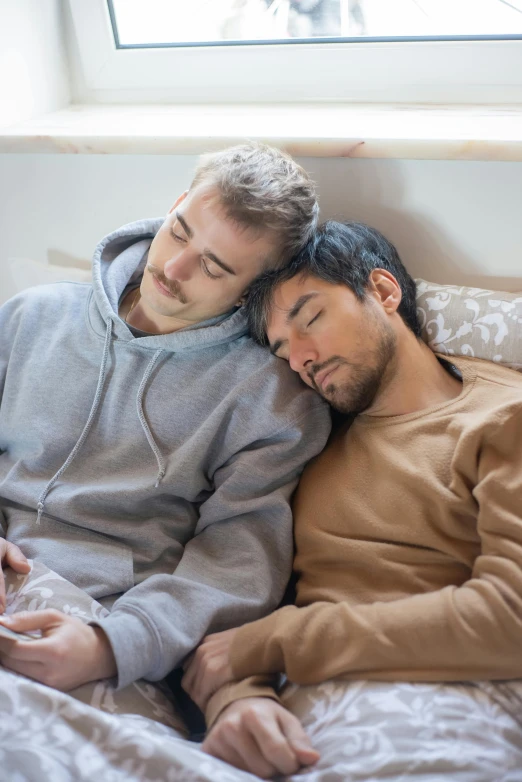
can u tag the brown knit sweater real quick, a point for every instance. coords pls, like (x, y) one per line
(409, 549)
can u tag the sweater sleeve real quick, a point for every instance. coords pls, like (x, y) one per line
(235, 567)
(472, 631)
(253, 687)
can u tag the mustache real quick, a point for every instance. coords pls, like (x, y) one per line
(316, 368)
(172, 286)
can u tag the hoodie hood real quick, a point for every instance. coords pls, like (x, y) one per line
(119, 260)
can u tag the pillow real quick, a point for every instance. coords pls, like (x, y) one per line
(461, 321)
(25, 273)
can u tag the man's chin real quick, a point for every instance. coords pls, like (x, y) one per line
(329, 395)
(169, 312)
(154, 309)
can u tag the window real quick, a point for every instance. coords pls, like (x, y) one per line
(422, 51)
(171, 23)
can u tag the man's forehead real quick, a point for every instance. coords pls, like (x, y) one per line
(208, 220)
(207, 196)
(287, 294)
(287, 299)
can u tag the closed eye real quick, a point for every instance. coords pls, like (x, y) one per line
(208, 272)
(176, 236)
(314, 318)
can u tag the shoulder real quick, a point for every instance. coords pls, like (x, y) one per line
(42, 295)
(273, 394)
(43, 304)
(273, 378)
(486, 372)
(492, 373)
(494, 403)
(494, 385)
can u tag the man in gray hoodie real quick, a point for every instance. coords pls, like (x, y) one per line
(148, 448)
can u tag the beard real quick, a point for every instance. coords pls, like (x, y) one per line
(366, 378)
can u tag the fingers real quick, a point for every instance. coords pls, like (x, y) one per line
(297, 738)
(243, 753)
(25, 621)
(193, 667)
(272, 742)
(31, 669)
(201, 689)
(253, 757)
(10, 556)
(206, 672)
(187, 680)
(187, 662)
(15, 559)
(252, 730)
(38, 671)
(29, 651)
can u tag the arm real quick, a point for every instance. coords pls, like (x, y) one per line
(473, 631)
(234, 569)
(236, 566)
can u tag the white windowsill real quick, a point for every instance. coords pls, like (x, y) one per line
(318, 130)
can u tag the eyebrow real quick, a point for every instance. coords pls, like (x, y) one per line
(186, 227)
(207, 253)
(219, 262)
(292, 314)
(298, 306)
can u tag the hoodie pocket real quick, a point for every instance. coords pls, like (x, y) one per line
(98, 564)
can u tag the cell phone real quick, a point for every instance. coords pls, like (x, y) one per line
(12, 635)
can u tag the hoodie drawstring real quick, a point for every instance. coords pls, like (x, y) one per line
(94, 409)
(144, 425)
(86, 428)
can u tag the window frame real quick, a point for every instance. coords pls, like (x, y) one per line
(456, 70)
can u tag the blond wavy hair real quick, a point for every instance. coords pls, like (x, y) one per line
(266, 191)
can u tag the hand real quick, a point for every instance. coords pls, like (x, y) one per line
(10, 556)
(260, 736)
(208, 668)
(70, 653)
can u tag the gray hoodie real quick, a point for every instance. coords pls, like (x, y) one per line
(154, 472)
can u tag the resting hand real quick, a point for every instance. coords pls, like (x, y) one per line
(68, 654)
(10, 556)
(260, 736)
(208, 668)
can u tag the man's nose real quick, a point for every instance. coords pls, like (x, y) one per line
(302, 355)
(180, 266)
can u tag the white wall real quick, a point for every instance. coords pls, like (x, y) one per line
(452, 221)
(33, 68)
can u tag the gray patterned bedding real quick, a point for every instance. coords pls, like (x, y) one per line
(365, 731)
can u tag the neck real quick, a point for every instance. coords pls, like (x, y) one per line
(415, 380)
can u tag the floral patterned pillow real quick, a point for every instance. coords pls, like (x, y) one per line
(462, 321)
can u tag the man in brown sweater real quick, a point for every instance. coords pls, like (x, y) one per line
(408, 526)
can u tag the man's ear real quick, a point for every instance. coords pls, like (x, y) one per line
(385, 288)
(243, 298)
(178, 201)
